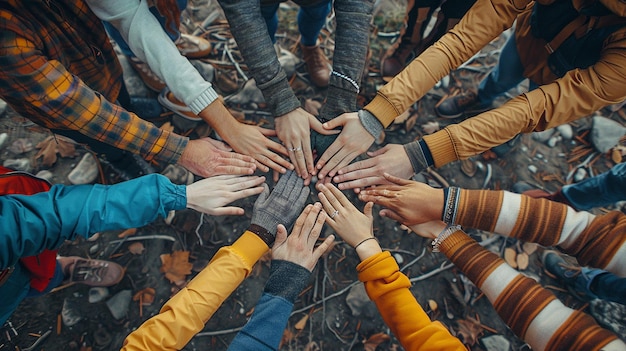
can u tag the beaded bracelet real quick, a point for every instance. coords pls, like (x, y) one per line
(350, 80)
(364, 240)
(444, 235)
(451, 198)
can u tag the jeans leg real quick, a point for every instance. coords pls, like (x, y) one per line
(608, 286)
(507, 74)
(311, 20)
(601, 190)
(271, 19)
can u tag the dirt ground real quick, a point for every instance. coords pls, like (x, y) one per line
(322, 317)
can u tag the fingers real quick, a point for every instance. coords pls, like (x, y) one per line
(329, 199)
(330, 210)
(267, 132)
(308, 156)
(297, 227)
(325, 246)
(297, 156)
(227, 211)
(355, 170)
(316, 125)
(340, 160)
(281, 236)
(361, 183)
(391, 214)
(367, 210)
(343, 200)
(313, 225)
(335, 122)
(326, 156)
(396, 180)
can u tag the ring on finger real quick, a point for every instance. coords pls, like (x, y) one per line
(295, 148)
(332, 216)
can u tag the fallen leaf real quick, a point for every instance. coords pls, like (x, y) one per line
(312, 346)
(52, 145)
(433, 305)
(136, 248)
(509, 257)
(176, 266)
(470, 330)
(373, 341)
(522, 261)
(146, 296)
(287, 337)
(529, 248)
(127, 232)
(167, 126)
(410, 123)
(430, 127)
(403, 117)
(302, 322)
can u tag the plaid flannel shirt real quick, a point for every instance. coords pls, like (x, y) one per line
(58, 68)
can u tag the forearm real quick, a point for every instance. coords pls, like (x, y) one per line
(482, 23)
(185, 314)
(389, 289)
(32, 223)
(250, 31)
(148, 40)
(536, 315)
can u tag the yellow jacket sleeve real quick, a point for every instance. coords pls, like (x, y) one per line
(186, 313)
(389, 289)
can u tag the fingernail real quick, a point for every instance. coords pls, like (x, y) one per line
(325, 125)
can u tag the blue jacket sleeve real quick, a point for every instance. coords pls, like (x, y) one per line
(265, 328)
(31, 223)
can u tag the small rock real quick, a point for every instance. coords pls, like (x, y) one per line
(118, 304)
(532, 169)
(19, 164)
(85, 172)
(359, 303)
(70, 313)
(398, 258)
(605, 133)
(45, 174)
(207, 71)
(178, 174)
(566, 131)
(496, 343)
(3, 139)
(98, 294)
(3, 107)
(543, 136)
(554, 140)
(20, 146)
(580, 174)
(249, 94)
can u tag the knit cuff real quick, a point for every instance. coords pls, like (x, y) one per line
(416, 156)
(370, 123)
(451, 203)
(205, 99)
(278, 94)
(286, 280)
(265, 235)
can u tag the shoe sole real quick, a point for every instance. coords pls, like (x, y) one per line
(175, 108)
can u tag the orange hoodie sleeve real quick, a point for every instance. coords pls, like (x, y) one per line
(389, 289)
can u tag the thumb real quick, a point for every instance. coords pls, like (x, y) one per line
(367, 210)
(377, 152)
(267, 132)
(391, 214)
(335, 122)
(281, 236)
(316, 125)
(396, 180)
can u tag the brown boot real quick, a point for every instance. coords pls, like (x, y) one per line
(317, 65)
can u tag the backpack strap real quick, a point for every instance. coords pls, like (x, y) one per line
(582, 25)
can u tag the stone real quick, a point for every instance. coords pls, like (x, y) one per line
(70, 313)
(178, 174)
(85, 172)
(543, 136)
(20, 146)
(19, 164)
(359, 303)
(566, 131)
(45, 174)
(3, 139)
(3, 107)
(98, 294)
(496, 343)
(605, 133)
(249, 95)
(207, 71)
(119, 303)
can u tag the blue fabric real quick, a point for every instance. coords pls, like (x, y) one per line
(265, 328)
(601, 190)
(173, 33)
(311, 20)
(31, 223)
(603, 285)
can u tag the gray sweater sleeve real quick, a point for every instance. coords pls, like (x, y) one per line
(351, 42)
(250, 31)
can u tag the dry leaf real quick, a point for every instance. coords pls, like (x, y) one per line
(410, 123)
(430, 127)
(176, 266)
(509, 257)
(470, 330)
(433, 305)
(287, 337)
(373, 341)
(127, 232)
(529, 248)
(136, 248)
(302, 322)
(402, 118)
(312, 346)
(167, 126)
(52, 145)
(522, 261)
(146, 296)
(312, 106)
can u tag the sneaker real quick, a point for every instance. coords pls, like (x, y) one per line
(317, 65)
(185, 118)
(86, 171)
(577, 279)
(459, 102)
(149, 78)
(394, 62)
(91, 272)
(192, 46)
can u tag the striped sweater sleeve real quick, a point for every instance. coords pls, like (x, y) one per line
(597, 241)
(532, 312)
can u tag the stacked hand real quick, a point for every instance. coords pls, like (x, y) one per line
(211, 194)
(207, 157)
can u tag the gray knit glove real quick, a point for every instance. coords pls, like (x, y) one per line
(281, 206)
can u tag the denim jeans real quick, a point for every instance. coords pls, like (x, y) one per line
(173, 33)
(604, 189)
(311, 19)
(606, 286)
(507, 74)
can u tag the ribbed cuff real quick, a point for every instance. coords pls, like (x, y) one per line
(383, 109)
(265, 235)
(416, 156)
(278, 94)
(441, 147)
(370, 123)
(205, 99)
(287, 279)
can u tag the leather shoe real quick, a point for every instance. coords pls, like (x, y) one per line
(459, 102)
(317, 65)
(91, 272)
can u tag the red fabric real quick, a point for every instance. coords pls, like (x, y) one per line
(42, 266)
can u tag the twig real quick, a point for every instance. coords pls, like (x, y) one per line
(333, 295)
(412, 262)
(144, 237)
(220, 332)
(442, 268)
(232, 59)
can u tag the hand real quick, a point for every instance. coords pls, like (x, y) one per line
(429, 230)
(299, 247)
(209, 195)
(353, 140)
(206, 158)
(253, 141)
(354, 227)
(282, 205)
(293, 129)
(391, 159)
(406, 201)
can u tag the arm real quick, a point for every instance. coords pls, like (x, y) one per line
(45, 220)
(389, 289)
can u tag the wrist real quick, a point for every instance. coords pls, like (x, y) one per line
(367, 248)
(443, 235)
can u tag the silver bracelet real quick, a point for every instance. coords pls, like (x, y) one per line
(451, 203)
(350, 80)
(444, 235)
(364, 240)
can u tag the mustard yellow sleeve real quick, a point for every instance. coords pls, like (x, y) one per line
(389, 289)
(185, 314)
(486, 20)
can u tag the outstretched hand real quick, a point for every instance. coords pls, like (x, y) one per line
(390, 159)
(406, 201)
(209, 195)
(353, 140)
(207, 157)
(299, 247)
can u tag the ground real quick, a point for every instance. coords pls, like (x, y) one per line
(322, 318)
